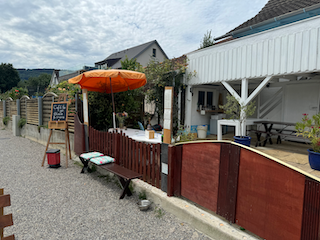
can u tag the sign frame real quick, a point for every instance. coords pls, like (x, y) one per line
(58, 124)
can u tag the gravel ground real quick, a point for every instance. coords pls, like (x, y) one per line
(61, 203)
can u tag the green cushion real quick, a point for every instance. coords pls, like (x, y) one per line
(102, 160)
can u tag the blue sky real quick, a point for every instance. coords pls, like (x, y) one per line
(63, 34)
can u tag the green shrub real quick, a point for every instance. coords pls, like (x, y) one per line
(5, 120)
(22, 122)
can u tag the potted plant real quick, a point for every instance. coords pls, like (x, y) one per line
(238, 111)
(121, 117)
(310, 128)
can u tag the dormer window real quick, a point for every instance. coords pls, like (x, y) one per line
(154, 52)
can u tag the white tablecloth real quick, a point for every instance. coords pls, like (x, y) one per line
(139, 135)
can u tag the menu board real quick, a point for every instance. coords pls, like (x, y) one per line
(59, 115)
(59, 111)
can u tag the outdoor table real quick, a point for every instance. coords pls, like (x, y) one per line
(138, 135)
(268, 126)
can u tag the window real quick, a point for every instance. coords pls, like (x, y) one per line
(205, 100)
(209, 98)
(154, 52)
(201, 98)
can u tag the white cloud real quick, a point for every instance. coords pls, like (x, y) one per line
(62, 34)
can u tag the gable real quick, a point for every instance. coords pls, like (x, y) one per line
(114, 60)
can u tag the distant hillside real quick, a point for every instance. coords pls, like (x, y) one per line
(24, 74)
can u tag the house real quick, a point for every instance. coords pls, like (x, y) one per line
(272, 59)
(142, 53)
(63, 75)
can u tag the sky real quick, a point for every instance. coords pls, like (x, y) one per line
(64, 34)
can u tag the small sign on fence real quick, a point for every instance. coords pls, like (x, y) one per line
(59, 115)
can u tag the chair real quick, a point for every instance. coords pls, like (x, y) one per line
(141, 126)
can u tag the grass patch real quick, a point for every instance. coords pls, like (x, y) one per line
(159, 213)
(142, 195)
(5, 120)
(78, 164)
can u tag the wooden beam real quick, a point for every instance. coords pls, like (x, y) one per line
(258, 90)
(230, 90)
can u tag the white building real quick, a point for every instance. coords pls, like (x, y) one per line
(273, 59)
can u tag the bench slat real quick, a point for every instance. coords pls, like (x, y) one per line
(120, 171)
(6, 221)
(11, 237)
(5, 201)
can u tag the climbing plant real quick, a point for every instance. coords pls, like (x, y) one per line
(170, 72)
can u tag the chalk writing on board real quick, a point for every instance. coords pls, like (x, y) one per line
(59, 112)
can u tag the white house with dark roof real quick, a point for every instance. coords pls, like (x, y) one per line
(142, 53)
(273, 58)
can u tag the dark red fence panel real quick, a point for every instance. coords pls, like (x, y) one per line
(270, 197)
(79, 136)
(141, 157)
(228, 181)
(311, 210)
(200, 173)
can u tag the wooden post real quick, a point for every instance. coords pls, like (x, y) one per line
(1, 214)
(168, 104)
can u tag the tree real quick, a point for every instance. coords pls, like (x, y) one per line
(9, 77)
(100, 104)
(131, 64)
(207, 40)
(37, 85)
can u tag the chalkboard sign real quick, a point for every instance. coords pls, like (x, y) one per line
(59, 115)
(59, 111)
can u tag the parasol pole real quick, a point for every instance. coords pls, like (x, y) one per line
(114, 111)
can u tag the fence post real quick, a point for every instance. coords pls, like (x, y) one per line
(40, 111)
(18, 107)
(164, 166)
(4, 109)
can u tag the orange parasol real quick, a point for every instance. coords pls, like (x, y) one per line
(110, 81)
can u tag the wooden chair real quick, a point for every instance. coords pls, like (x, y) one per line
(5, 220)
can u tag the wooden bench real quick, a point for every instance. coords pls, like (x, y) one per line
(5, 220)
(285, 133)
(125, 175)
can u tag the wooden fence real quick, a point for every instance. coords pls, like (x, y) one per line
(29, 109)
(141, 157)
(255, 191)
(5, 220)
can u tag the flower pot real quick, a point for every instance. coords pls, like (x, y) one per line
(245, 140)
(314, 159)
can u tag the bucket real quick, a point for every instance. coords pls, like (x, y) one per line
(202, 131)
(245, 140)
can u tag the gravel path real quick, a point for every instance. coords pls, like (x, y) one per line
(64, 204)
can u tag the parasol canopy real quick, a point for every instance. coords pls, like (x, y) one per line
(99, 80)
(110, 81)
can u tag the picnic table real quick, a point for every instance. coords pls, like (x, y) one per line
(282, 130)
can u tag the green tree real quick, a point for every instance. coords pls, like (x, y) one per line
(9, 77)
(131, 64)
(100, 104)
(207, 40)
(37, 85)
